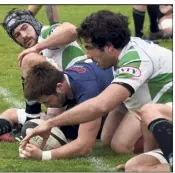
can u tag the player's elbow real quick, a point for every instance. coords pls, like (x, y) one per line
(86, 147)
(103, 108)
(31, 59)
(71, 29)
(86, 150)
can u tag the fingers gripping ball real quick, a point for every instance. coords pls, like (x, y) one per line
(55, 140)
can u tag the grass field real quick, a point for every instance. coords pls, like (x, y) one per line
(101, 159)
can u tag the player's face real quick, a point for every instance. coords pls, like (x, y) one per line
(25, 35)
(101, 57)
(55, 100)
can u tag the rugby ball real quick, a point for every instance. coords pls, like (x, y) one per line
(166, 24)
(55, 140)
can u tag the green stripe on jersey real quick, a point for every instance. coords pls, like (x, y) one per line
(157, 83)
(69, 54)
(130, 56)
(167, 96)
(46, 32)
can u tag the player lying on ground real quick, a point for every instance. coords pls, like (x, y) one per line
(64, 90)
(143, 71)
(55, 43)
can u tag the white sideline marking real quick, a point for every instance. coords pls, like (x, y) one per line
(8, 98)
(99, 165)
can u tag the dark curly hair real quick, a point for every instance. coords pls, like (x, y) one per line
(105, 27)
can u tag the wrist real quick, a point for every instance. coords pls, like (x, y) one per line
(38, 47)
(50, 123)
(47, 155)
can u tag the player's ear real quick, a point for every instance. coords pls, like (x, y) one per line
(58, 87)
(109, 48)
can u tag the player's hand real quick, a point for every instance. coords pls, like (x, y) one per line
(30, 151)
(43, 130)
(25, 52)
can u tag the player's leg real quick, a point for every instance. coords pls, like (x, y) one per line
(150, 112)
(158, 118)
(153, 16)
(7, 120)
(155, 34)
(139, 17)
(127, 134)
(34, 8)
(10, 121)
(111, 123)
(151, 161)
(150, 142)
(52, 14)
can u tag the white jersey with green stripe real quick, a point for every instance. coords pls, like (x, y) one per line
(65, 56)
(147, 68)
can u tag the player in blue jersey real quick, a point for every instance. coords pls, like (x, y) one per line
(63, 90)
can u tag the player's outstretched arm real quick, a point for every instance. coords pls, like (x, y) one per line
(81, 146)
(84, 143)
(96, 107)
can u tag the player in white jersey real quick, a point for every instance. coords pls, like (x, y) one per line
(143, 71)
(147, 68)
(55, 42)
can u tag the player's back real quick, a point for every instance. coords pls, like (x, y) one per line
(86, 80)
(83, 72)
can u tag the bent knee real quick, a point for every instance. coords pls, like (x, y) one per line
(106, 140)
(147, 108)
(121, 147)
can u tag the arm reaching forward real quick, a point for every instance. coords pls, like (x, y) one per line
(87, 111)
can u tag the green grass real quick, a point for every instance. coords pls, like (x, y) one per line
(101, 159)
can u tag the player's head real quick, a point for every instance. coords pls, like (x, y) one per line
(104, 33)
(22, 27)
(45, 84)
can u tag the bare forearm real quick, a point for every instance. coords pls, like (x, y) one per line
(63, 34)
(84, 113)
(74, 148)
(93, 108)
